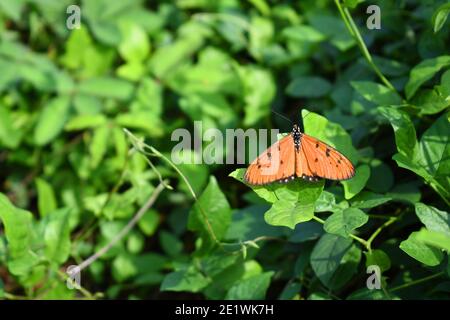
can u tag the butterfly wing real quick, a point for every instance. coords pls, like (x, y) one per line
(316, 159)
(277, 163)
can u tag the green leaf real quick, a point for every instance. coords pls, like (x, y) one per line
(186, 279)
(107, 87)
(423, 72)
(259, 90)
(405, 133)
(252, 288)
(440, 17)
(433, 219)
(303, 33)
(421, 251)
(57, 236)
(123, 267)
(170, 244)
(377, 93)
(51, 120)
(85, 121)
(295, 204)
(435, 148)
(10, 136)
(135, 44)
(379, 258)
(210, 215)
(149, 222)
(141, 120)
(308, 87)
(367, 200)
(99, 145)
(166, 59)
(46, 197)
(343, 222)
(327, 255)
(431, 101)
(435, 239)
(353, 186)
(18, 231)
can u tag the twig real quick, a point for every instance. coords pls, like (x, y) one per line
(124, 231)
(412, 283)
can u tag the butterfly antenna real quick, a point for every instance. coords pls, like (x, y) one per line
(279, 114)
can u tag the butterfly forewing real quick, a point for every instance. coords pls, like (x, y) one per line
(277, 163)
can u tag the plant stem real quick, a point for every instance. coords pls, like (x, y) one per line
(376, 232)
(353, 29)
(412, 283)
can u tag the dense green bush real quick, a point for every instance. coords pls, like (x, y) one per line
(72, 178)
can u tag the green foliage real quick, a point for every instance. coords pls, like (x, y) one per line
(86, 123)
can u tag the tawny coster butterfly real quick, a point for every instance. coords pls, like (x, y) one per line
(298, 155)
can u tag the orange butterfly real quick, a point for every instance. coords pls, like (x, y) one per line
(298, 155)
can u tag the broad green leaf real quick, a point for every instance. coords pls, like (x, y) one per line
(135, 242)
(149, 222)
(166, 59)
(107, 87)
(379, 258)
(259, 90)
(267, 193)
(253, 288)
(99, 144)
(367, 200)
(123, 267)
(423, 72)
(187, 278)
(10, 136)
(295, 204)
(46, 197)
(308, 87)
(327, 255)
(135, 44)
(85, 121)
(303, 33)
(210, 215)
(290, 291)
(431, 101)
(440, 17)
(347, 269)
(353, 186)
(171, 245)
(52, 120)
(377, 93)
(433, 219)
(435, 239)
(57, 235)
(343, 222)
(141, 120)
(18, 231)
(435, 148)
(405, 133)
(421, 251)
(248, 223)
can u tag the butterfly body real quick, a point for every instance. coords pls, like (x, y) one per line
(298, 155)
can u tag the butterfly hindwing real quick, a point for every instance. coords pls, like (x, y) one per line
(277, 163)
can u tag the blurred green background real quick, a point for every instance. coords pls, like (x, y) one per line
(154, 66)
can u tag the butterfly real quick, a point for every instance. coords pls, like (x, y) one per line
(298, 155)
